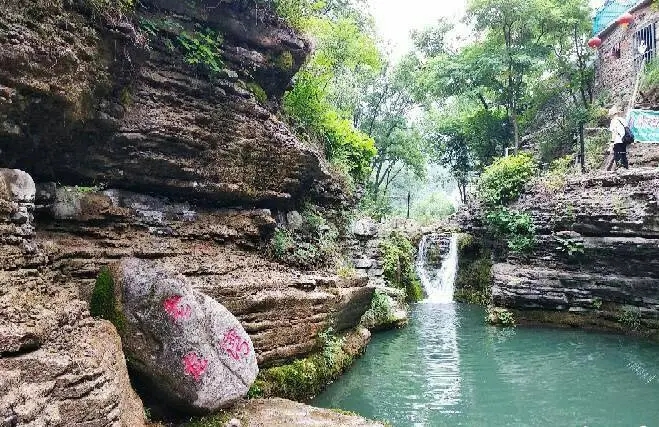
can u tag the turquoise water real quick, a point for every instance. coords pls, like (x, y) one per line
(449, 369)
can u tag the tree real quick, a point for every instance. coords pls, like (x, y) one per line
(384, 115)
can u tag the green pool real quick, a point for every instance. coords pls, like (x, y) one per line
(449, 369)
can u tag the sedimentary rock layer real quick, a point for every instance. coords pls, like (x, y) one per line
(58, 366)
(597, 254)
(84, 100)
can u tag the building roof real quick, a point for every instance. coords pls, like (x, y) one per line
(605, 17)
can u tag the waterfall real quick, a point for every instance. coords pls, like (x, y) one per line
(437, 282)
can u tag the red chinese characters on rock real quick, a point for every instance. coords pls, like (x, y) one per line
(175, 309)
(194, 365)
(234, 345)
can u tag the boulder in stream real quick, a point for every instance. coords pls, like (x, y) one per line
(189, 347)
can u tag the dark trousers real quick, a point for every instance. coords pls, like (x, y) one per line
(620, 155)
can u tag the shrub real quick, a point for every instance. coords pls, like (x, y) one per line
(399, 269)
(313, 244)
(500, 317)
(504, 180)
(516, 227)
(595, 149)
(110, 10)
(202, 48)
(651, 76)
(380, 312)
(569, 246)
(257, 91)
(630, 317)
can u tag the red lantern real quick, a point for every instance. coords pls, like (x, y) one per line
(625, 19)
(595, 42)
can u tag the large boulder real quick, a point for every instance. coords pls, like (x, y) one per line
(190, 348)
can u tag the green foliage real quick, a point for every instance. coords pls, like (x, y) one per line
(504, 180)
(474, 277)
(650, 78)
(570, 247)
(380, 312)
(597, 303)
(554, 180)
(257, 91)
(284, 61)
(313, 244)
(516, 227)
(630, 317)
(399, 269)
(111, 10)
(347, 146)
(304, 378)
(500, 317)
(432, 208)
(202, 48)
(595, 148)
(216, 420)
(324, 97)
(103, 303)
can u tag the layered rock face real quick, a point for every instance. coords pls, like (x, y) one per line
(81, 102)
(597, 254)
(197, 166)
(58, 366)
(282, 309)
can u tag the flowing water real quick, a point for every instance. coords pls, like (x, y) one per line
(447, 368)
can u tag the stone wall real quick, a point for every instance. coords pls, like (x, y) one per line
(614, 76)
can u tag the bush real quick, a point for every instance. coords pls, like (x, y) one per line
(500, 317)
(595, 149)
(313, 244)
(110, 10)
(504, 180)
(630, 317)
(380, 312)
(651, 76)
(399, 269)
(516, 227)
(345, 146)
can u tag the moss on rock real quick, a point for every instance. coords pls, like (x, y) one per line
(284, 61)
(305, 378)
(398, 255)
(103, 302)
(258, 92)
(474, 278)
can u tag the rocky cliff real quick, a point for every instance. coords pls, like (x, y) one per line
(141, 148)
(595, 264)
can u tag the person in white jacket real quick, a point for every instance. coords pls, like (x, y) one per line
(618, 148)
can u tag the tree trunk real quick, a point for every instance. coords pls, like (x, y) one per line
(513, 117)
